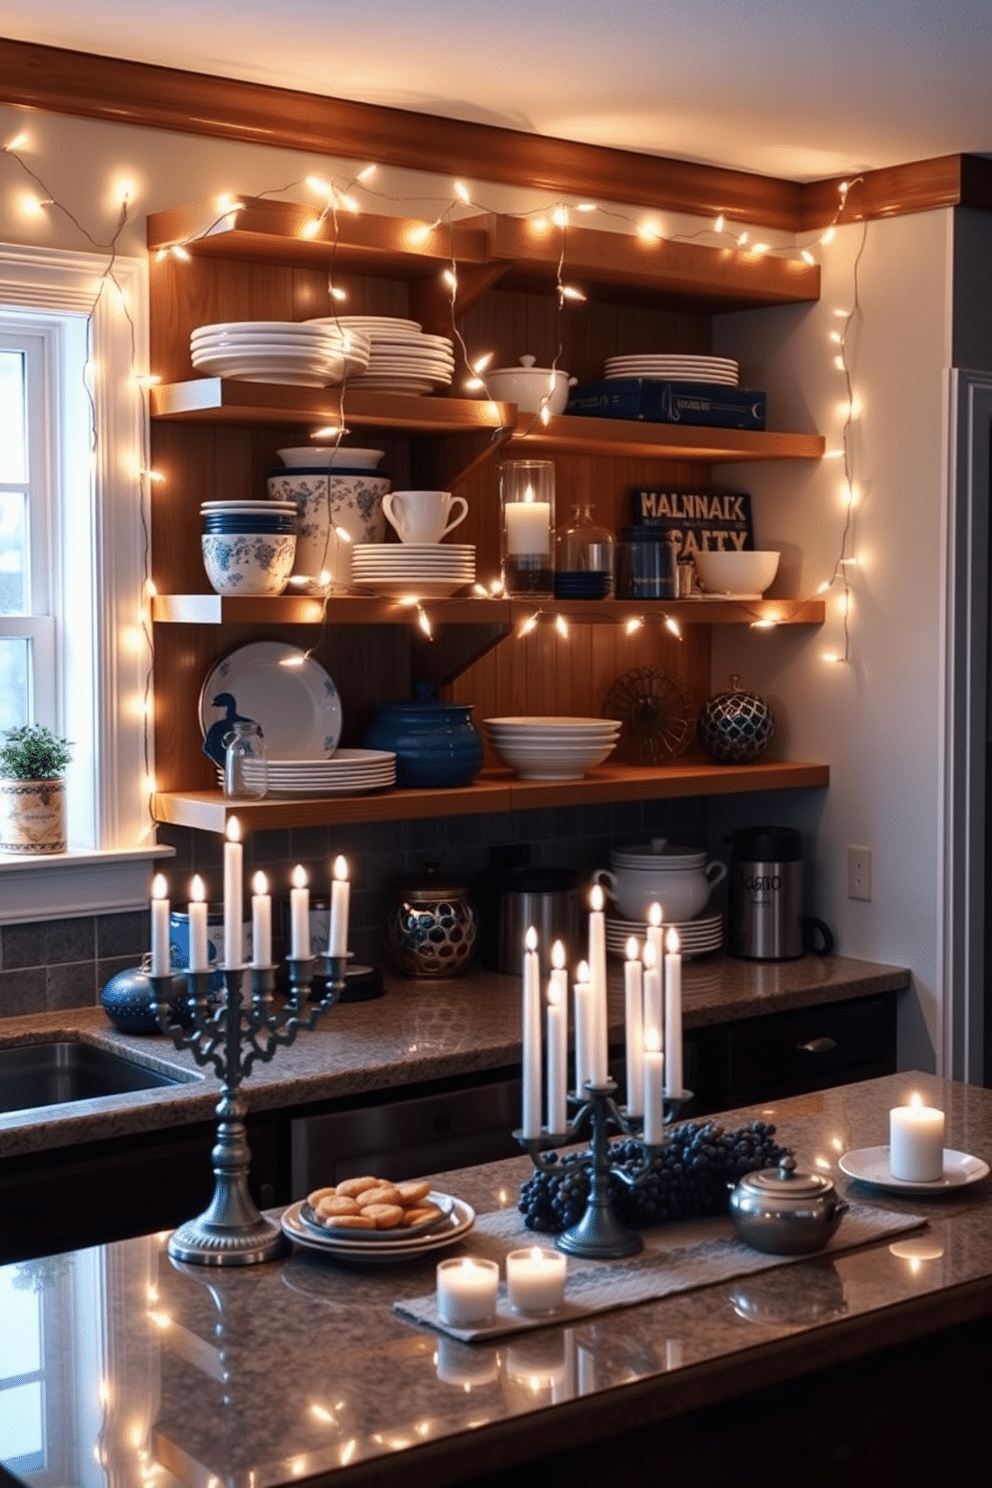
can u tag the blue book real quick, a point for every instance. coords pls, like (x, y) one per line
(655, 401)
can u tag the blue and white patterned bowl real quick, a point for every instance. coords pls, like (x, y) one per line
(335, 511)
(248, 562)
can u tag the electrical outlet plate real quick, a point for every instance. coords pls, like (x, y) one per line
(859, 873)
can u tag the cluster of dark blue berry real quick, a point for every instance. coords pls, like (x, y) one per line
(692, 1175)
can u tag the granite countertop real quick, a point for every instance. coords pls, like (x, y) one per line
(420, 1031)
(300, 1369)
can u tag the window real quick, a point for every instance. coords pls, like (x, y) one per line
(73, 553)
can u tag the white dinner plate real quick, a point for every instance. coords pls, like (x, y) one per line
(871, 1165)
(459, 1222)
(422, 588)
(290, 695)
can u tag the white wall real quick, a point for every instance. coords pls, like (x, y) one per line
(876, 720)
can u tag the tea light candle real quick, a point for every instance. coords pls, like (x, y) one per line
(233, 894)
(466, 1292)
(299, 916)
(557, 1040)
(673, 1015)
(531, 1018)
(160, 926)
(261, 922)
(199, 956)
(634, 1029)
(337, 937)
(535, 1280)
(916, 1142)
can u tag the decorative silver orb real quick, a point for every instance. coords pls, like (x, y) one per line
(736, 727)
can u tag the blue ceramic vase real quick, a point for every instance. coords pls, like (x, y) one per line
(435, 743)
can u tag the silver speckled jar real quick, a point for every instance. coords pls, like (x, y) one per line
(432, 925)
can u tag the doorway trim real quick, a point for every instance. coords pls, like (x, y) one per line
(961, 955)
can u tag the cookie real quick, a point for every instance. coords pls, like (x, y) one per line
(383, 1193)
(384, 1216)
(420, 1214)
(413, 1191)
(336, 1204)
(352, 1187)
(313, 1199)
(350, 1222)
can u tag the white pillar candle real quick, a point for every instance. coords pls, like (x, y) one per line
(634, 1028)
(299, 916)
(528, 527)
(654, 1095)
(199, 953)
(160, 926)
(233, 895)
(261, 921)
(337, 935)
(582, 993)
(535, 1281)
(654, 1008)
(466, 1292)
(916, 1142)
(673, 1015)
(557, 1041)
(599, 1049)
(531, 1022)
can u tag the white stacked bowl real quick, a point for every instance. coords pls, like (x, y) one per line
(249, 546)
(552, 748)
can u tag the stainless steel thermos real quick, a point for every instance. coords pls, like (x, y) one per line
(767, 922)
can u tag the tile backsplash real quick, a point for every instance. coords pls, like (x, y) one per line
(61, 963)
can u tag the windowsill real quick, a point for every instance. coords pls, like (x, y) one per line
(75, 883)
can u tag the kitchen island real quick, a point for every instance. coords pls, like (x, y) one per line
(866, 1361)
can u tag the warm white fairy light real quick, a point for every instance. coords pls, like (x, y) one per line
(32, 205)
(311, 228)
(19, 142)
(336, 293)
(560, 216)
(529, 624)
(718, 224)
(424, 622)
(634, 624)
(742, 240)
(569, 292)
(461, 191)
(672, 625)
(561, 626)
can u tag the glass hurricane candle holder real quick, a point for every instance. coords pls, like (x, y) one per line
(527, 495)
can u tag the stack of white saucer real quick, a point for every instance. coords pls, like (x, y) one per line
(298, 353)
(674, 368)
(427, 570)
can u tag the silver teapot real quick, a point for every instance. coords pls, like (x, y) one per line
(784, 1212)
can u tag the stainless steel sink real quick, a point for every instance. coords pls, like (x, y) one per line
(48, 1074)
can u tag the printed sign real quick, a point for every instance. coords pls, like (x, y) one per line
(694, 521)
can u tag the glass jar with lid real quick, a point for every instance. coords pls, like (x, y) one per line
(245, 762)
(585, 557)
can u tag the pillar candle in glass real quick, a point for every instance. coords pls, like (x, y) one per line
(535, 1280)
(527, 493)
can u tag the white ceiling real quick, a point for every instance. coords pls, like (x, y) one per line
(795, 88)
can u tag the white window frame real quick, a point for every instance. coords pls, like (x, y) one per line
(111, 872)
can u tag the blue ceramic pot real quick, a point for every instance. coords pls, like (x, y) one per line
(127, 1001)
(436, 744)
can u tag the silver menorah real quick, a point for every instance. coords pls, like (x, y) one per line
(232, 1032)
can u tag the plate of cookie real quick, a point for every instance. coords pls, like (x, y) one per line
(446, 1221)
(373, 1210)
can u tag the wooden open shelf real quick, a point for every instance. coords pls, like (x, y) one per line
(634, 438)
(494, 790)
(217, 400)
(289, 609)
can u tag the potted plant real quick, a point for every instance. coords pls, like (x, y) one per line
(32, 790)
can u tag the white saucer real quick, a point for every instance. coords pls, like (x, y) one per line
(871, 1165)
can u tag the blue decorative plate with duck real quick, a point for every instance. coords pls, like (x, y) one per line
(280, 688)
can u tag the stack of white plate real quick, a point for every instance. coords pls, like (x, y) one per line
(674, 368)
(349, 772)
(298, 353)
(428, 570)
(696, 937)
(404, 359)
(552, 748)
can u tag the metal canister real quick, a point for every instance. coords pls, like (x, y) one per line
(766, 894)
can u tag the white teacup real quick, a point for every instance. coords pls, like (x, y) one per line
(423, 516)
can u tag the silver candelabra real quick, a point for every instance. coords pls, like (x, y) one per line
(232, 1032)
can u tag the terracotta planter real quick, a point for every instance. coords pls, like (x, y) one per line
(32, 816)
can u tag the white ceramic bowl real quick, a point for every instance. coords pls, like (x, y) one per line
(682, 893)
(334, 514)
(326, 457)
(527, 385)
(746, 575)
(552, 764)
(248, 562)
